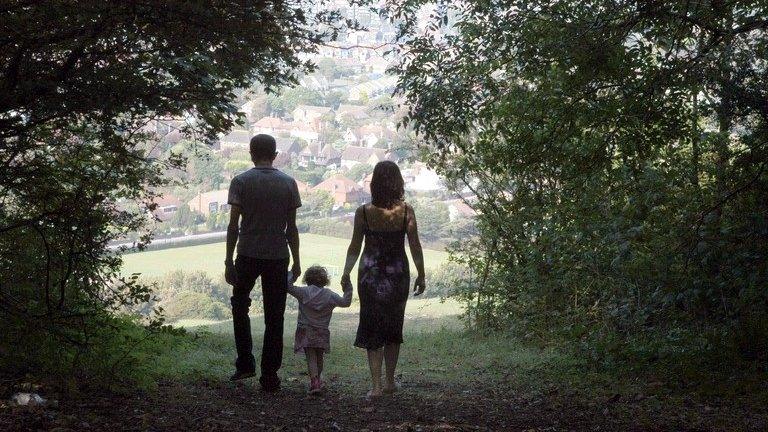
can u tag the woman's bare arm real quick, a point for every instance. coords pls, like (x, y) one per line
(353, 252)
(416, 252)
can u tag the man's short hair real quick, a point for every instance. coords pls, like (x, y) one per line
(263, 147)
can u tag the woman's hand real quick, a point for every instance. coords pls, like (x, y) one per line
(345, 279)
(419, 285)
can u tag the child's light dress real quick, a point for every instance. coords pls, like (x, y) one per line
(316, 306)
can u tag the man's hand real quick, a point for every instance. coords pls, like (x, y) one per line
(419, 285)
(230, 275)
(295, 271)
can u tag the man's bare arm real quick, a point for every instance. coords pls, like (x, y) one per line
(292, 233)
(233, 231)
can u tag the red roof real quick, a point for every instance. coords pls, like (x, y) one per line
(270, 122)
(338, 183)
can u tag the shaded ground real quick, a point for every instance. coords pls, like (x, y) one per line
(452, 380)
(422, 406)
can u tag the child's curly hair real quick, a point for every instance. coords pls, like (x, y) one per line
(316, 275)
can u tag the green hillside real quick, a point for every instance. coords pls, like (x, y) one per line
(315, 249)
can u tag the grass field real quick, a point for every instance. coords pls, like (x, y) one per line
(315, 249)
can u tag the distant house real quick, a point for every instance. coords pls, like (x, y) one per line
(309, 113)
(315, 82)
(352, 112)
(287, 146)
(167, 206)
(420, 178)
(326, 156)
(303, 130)
(370, 89)
(343, 190)
(211, 202)
(309, 155)
(303, 187)
(350, 137)
(373, 134)
(458, 209)
(282, 160)
(366, 183)
(271, 126)
(329, 157)
(354, 155)
(247, 109)
(236, 139)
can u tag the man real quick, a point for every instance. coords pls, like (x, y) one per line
(267, 200)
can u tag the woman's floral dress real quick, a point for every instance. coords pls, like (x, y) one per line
(382, 284)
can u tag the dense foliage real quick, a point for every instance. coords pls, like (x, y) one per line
(618, 153)
(83, 84)
(191, 295)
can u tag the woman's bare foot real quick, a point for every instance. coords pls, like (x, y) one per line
(391, 388)
(373, 394)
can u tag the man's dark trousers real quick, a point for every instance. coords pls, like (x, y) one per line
(274, 285)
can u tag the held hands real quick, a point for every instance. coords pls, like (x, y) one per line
(345, 280)
(419, 285)
(230, 275)
(295, 271)
(346, 283)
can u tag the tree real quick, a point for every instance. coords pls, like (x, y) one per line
(237, 166)
(317, 203)
(359, 171)
(618, 152)
(204, 168)
(288, 99)
(327, 67)
(83, 86)
(432, 216)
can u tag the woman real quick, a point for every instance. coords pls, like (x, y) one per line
(383, 275)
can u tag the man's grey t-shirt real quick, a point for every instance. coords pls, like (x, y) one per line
(265, 196)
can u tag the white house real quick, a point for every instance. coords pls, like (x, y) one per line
(305, 131)
(309, 113)
(350, 138)
(271, 126)
(419, 178)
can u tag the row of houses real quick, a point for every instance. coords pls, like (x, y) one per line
(342, 189)
(308, 122)
(307, 114)
(328, 156)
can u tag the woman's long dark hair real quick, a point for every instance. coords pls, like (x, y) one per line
(387, 186)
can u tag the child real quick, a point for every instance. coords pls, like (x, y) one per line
(316, 303)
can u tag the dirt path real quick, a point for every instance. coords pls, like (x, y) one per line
(222, 406)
